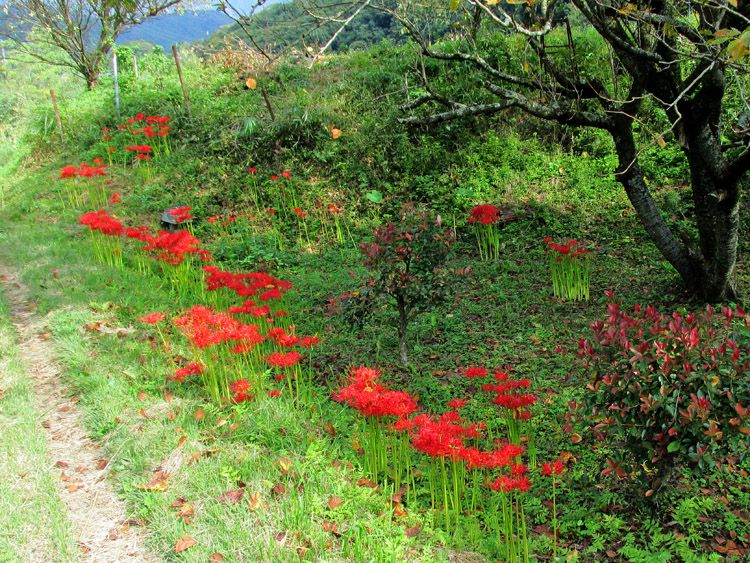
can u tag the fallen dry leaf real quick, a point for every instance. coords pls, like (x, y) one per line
(334, 502)
(413, 531)
(331, 527)
(185, 509)
(279, 489)
(181, 440)
(232, 497)
(159, 482)
(199, 415)
(73, 488)
(216, 558)
(101, 464)
(254, 501)
(285, 463)
(185, 542)
(142, 396)
(365, 482)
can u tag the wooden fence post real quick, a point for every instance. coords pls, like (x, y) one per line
(57, 115)
(182, 81)
(117, 82)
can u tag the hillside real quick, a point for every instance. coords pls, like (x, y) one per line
(281, 26)
(171, 29)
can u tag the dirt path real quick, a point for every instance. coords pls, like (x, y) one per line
(98, 517)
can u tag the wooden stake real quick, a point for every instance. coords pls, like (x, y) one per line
(117, 82)
(268, 102)
(182, 82)
(57, 115)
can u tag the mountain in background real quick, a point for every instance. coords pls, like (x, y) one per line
(289, 24)
(169, 29)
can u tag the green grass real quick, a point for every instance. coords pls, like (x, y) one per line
(33, 521)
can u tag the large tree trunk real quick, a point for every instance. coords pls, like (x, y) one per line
(708, 274)
(717, 218)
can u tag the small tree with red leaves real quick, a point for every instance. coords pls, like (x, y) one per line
(670, 388)
(407, 258)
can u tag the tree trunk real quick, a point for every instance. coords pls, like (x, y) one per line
(630, 175)
(717, 219)
(708, 273)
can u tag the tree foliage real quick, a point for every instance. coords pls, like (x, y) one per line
(83, 30)
(651, 72)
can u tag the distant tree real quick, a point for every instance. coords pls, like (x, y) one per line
(84, 30)
(647, 72)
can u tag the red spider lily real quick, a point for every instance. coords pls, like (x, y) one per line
(485, 214)
(507, 484)
(504, 397)
(286, 174)
(554, 468)
(246, 285)
(181, 214)
(102, 222)
(115, 198)
(142, 233)
(457, 404)
(83, 171)
(284, 360)
(443, 437)
(252, 170)
(369, 397)
(240, 390)
(307, 341)
(205, 327)
(173, 247)
(274, 393)
(191, 369)
(475, 372)
(152, 318)
(146, 149)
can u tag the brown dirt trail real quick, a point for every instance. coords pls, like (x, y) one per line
(98, 517)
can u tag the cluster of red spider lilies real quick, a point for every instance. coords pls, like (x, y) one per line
(468, 469)
(240, 331)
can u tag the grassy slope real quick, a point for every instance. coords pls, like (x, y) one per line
(500, 314)
(33, 524)
(141, 431)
